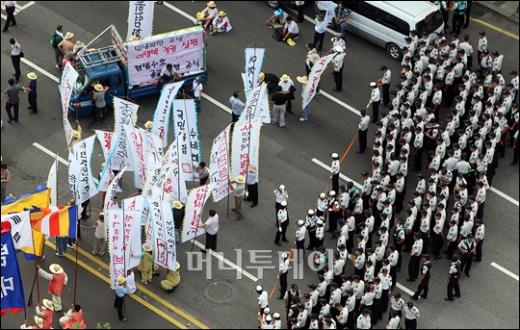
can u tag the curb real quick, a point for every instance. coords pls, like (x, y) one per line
(497, 10)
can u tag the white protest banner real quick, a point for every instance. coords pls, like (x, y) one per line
(219, 165)
(132, 239)
(193, 216)
(254, 58)
(184, 49)
(153, 149)
(136, 144)
(185, 123)
(163, 234)
(136, 203)
(116, 244)
(309, 90)
(52, 184)
(245, 146)
(109, 202)
(140, 19)
(125, 114)
(174, 184)
(257, 105)
(68, 79)
(161, 116)
(108, 141)
(80, 167)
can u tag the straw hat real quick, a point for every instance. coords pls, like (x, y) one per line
(75, 134)
(148, 124)
(32, 76)
(211, 4)
(177, 266)
(177, 205)
(68, 36)
(285, 77)
(241, 179)
(55, 269)
(79, 44)
(302, 79)
(221, 13)
(48, 304)
(98, 87)
(38, 320)
(147, 246)
(261, 76)
(252, 168)
(121, 280)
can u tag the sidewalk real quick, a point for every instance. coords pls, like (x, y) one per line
(507, 9)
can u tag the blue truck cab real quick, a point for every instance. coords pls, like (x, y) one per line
(108, 67)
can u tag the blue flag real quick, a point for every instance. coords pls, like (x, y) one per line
(12, 289)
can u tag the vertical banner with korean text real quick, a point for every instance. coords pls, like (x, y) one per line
(309, 90)
(219, 165)
(12, 286)
(174, 184)
(80, 173)
(52, 183)
(132, 243)
(185, 123)
(245, 146)
(161, 116)
(125, 114)
(257, 105)
(193, 216)
(110, 202)
(67, 81)
(116, 244)
(254, 59)
(140, 19)
(163, 234)
(136, 144)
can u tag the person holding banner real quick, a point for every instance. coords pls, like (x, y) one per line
(239, 191)
(202, 173)
(146, 266)
(252, 186)
(58, 279)
(45, 311)
(237, 106)
(211, 226)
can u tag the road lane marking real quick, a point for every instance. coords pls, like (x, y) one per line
(341, 175)
(496, 28)
(404, 289)
(180, 11)
(341, 103)
(504, 196)
(40, 69)
(217, 103)
(50, 153)
(18, 9)
(228, 262)
(133, 296)
(504, 270)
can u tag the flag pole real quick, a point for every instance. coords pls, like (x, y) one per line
(228, 169)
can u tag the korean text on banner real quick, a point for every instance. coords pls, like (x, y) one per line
(163, 234)
(257, 105)
(184, 49)
(132, 242)
(219, 165)
(174, 183)
(125, 114)
(52, 183)
(245, 147)
(254, 58)
(309, 90)
(140, 19)
(12, 288)
(161, 116)
(108, 145)
(193, 216)
(136, 144)
(81, 180)
(110, 196)
(116, 244)
(68, 79)
(185, 123)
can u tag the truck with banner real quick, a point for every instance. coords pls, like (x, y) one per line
(132, 69)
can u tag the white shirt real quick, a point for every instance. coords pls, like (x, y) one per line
(393, 323)
(337, 61)
(300, 233)
(286, 85)
(282, 215)
(375, 95)
(417, 247)
(482, 44)
(364, 322)
(197, 89)
(130, 283)
(263, 299)
(212, 225)
(335, 167)
(386, 77)
(411, 313)
(292, 27)
(338, 43)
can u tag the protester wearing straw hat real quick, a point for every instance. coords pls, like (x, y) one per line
(67, 44)
(270, 79)
(206, 17)
(99, 101)
(239, 191)
(304, 115)
(220, 23)
(252, 186)
(45, 311)
(31, 89)
(178, 216)
(211, 227)
(172, 280)
(288, 88)
(120, 292)
(280, 101)
(146, 266)
(58, 279)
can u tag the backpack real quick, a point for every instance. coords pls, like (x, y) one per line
(278, 34)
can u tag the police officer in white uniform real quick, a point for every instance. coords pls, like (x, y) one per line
(335, 168)
(375, 100)
(282, 222)
(363, 130)
(283, 271)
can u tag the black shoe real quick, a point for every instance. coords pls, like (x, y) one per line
(414, 298)
(448, 299)
(410, 280)
(278, 243)
(457, 296)
(424, 297)
(4, 30)
(253, 205)
(203, 251)
(285, 240)
(10, 121)
(32, 112)
(467, 275)
(280, 297)
(123, 319)
(337, 90)
(29, 108)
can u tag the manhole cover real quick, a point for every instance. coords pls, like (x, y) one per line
(220, 292)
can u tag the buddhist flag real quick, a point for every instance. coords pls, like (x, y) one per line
(61, 222)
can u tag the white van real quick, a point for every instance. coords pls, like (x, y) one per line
(387, 23)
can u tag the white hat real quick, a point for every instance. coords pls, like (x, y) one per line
(48, 304)
(55, 269)
(319, 222)
(310, 212)
(68, 36)
(332, 193)
(32, 76)
(338, 49)
(259, 289)
(267, 310)
(121, 280)
(283, 203)
(276, 316)
(323, 196)
(285, 77)
(98, 87)
(285, 256)
(147, 246)
(148, 124)
(300, 222)
(373, 84)
(282, 187)
(302, 79)
(334, 155)
(268, 318)
(177, 205)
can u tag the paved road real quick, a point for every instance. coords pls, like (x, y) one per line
(489, 297)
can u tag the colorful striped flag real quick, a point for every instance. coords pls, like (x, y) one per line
(61, 221)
